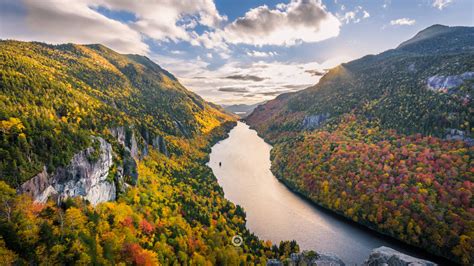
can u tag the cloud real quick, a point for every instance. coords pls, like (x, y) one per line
(81, 21)
(440, 4)
(315, 72)
(70, 21)
(90, 21)
(403, 22)
(387, 3)
(233, 89)
(261, 54)
(366, 14)
(297, 87)
(354, 16)
(288, 24)
(167, 19)
(279, 77)
(272, 93)
(245, 77)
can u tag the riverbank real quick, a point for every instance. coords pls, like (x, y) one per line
(275, 213)
(416, 251)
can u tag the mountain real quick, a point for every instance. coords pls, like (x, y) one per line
(242, 110)
(387, 141)
(103, 162)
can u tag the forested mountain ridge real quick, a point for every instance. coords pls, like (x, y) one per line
(416, 88)
(70, 90)
(387, 141)
(82, 124)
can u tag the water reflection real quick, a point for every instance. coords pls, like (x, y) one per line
(274, 212)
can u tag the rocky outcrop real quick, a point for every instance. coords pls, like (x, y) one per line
(313, 121)
(308, 258)
(456, 134)
(447, 83)
(86, 176)
(274, 262)
(182, 128)
(159, 144)
(119, 134)
(391, 257)
(134, 146)
(127, 139)
(382, 256)
(328, 260)
(39, 187)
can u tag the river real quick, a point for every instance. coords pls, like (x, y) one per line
(275, 213)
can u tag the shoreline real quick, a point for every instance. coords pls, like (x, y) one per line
(418, 251)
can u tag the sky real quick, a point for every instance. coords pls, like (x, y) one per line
(234, 51)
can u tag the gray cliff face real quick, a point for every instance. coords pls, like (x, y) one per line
(119, 134)
(456, 134)
(182, 128)
(447, 83)
(85, 176)
(313, 121)
(128, 142)
(159, 144)
(134, 147)
(391, 257)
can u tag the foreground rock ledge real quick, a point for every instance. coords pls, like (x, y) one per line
(391, 257)
(382, 256)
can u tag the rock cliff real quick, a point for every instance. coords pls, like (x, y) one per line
(86, 176)
(391, 257)
(382, 256)
(314, 121)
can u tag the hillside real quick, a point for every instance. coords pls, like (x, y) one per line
(103, 161)
(387, 141)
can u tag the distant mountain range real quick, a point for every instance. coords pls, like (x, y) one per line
(242, 110)
(387, 140)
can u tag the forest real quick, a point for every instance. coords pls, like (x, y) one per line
(377, 141)
(55, 99)
(415, 188)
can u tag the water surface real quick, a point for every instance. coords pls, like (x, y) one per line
(275, 213)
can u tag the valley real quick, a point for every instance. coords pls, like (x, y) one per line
(376, 143)
(212, 132)
(241, 164)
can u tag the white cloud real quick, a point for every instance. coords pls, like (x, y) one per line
(440, 4)
(403, 22)
(261, 54)
(79, 21)
(288, 24)
(348, 17)
(69, 21)
(261, 80)
(167, 19)
(366, 14)
(354, 16)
